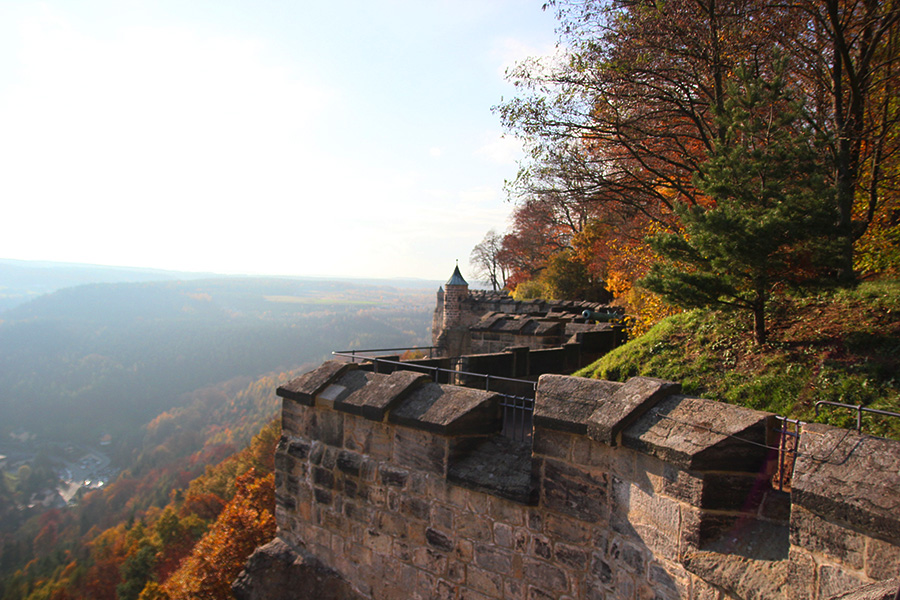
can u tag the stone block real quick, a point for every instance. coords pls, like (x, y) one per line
(496, 466)
(430, 560)
(880, 590)
(802, 574)
(628, 556)
(393, 476)
(849, 478)
(645, 507)
(507, 512)
(547, 575)
(489, 584)
(328, 428)
(668, 480)
(448, 410)
(574, 557)
(882, 559)
(304, 388)
(589, 453)
(349, 463)
(574, 491)
(566, 403)
(323, 477)
(374, 400)
(420, 450)
(366, 437)
(740, 576)
(834, 581)
(551, 443)
(438, 540)
(625, 405)
(474, 528)
(701, 435)
(415, 508)
(493, 559)
(815, 534)
(567, 529)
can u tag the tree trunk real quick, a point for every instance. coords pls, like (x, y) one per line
(759, 313)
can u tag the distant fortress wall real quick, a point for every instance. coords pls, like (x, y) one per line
(481, 321)
(391, 486)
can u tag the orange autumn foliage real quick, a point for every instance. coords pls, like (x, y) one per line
(217, 559)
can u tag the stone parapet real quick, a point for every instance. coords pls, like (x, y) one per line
(403, 488)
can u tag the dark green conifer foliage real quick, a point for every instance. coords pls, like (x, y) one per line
(770, 222)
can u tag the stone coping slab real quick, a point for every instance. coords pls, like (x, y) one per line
(348, 383)
(373, 401)
(448, 410)
(849, 478)
(701, 435)
(304, 388)
(626, 405)
(566, 403)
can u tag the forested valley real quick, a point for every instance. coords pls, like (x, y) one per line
(117, 397)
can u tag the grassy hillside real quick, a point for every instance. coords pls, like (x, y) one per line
(842, 347)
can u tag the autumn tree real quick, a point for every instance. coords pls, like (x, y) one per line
(535, 235)
(846, 57)
(773, 219)
(626, 117)
(217, 559)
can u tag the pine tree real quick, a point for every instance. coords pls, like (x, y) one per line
(770, 219)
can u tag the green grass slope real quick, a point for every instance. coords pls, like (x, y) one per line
(841, 347)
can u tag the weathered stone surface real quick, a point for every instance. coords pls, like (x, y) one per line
(743, 577)
(679, 509)
(374, 400)
(849, 478)
(881, 590)
(498, 466)
(448, 410)
(347, 383)
(327, 426)
(626, 405)
(420, 450)
(278, 572)
(701, 435)
(574, 491)
(566, 403)
(814, 533)
(303, 389)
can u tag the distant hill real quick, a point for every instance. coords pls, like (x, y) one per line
(24, 280)
(104, 358)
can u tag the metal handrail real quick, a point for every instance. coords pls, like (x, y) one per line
(429, 348)
(488, 377)
(859, 411)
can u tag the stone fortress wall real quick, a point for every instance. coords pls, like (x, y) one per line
(470, 322)
(393, 486)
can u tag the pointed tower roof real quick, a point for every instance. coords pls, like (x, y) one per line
(457, 278)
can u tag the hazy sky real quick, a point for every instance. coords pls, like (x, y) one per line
(295, 137)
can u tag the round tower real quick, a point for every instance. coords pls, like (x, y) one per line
(456, 290)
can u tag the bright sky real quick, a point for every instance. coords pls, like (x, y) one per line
(339, 137)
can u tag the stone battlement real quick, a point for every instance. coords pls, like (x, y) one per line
(393, 486)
